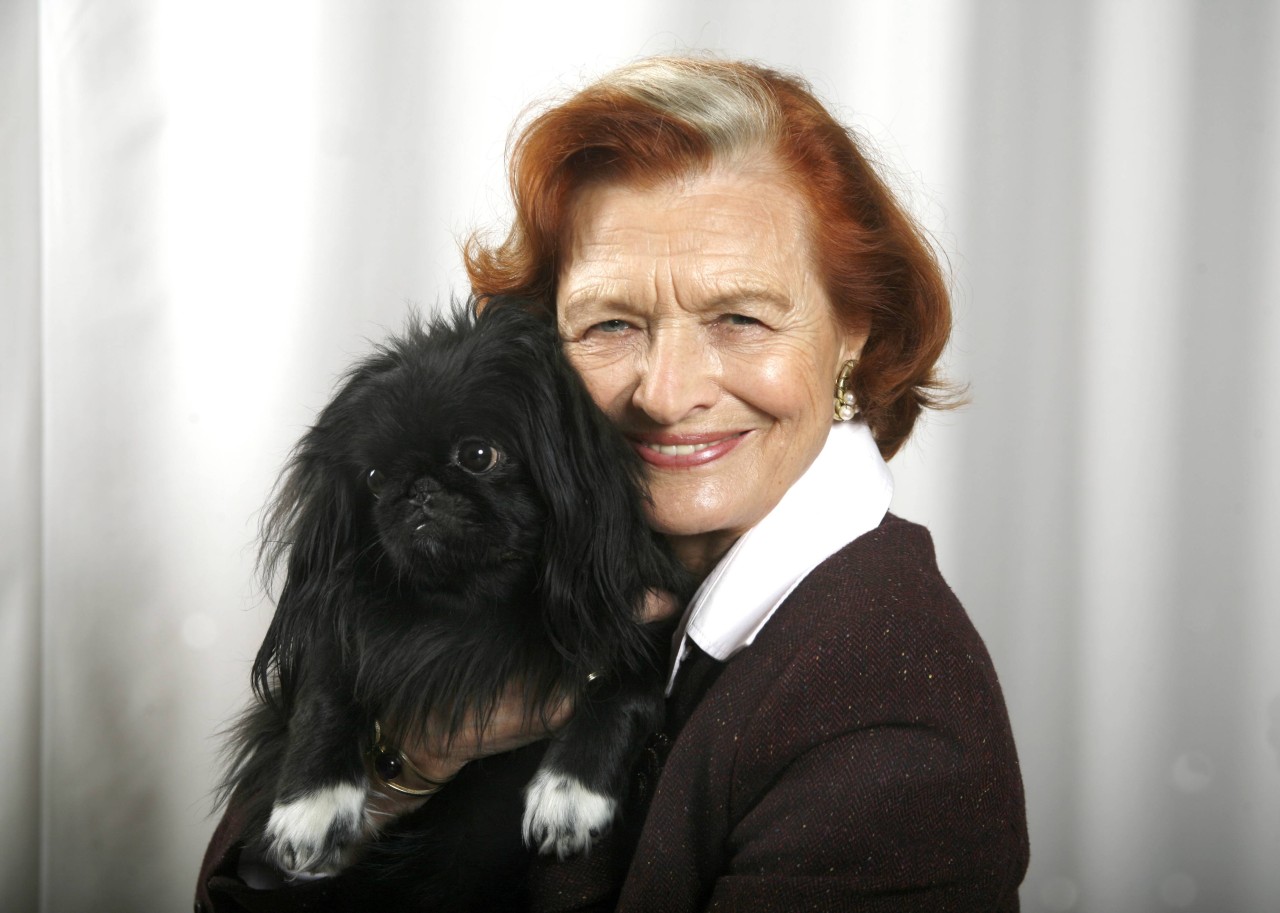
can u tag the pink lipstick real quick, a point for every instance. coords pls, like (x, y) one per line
(681, 451)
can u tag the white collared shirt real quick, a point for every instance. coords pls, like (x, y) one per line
(842, 495)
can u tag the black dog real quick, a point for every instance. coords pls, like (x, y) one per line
(460, 517)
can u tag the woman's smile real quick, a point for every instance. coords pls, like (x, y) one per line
(674, 451)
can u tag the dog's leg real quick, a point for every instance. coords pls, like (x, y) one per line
(319, 817)
(576, 793)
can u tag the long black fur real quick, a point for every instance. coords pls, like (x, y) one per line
(417, 604)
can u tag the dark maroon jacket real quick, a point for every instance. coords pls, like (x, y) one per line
(856, 757)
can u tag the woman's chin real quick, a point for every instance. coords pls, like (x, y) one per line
(698, 541)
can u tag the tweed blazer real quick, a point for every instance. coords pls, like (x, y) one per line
(856, 757)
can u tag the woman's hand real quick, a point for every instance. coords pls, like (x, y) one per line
(511, 726)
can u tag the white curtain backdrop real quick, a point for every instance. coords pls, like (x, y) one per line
(207, 207)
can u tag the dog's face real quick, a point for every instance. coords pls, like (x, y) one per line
(440, 460)
(452, 499)
(455, 503)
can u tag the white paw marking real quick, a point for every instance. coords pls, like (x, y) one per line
(315, 833)
(563, 815)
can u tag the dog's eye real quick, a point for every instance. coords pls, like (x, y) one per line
(377, 481)
(477, 456)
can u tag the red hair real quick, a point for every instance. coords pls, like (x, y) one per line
(664, 118)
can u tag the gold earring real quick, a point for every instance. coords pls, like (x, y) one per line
(845, 405)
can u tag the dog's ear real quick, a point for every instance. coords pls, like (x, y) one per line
(313, 531)
(599, 555)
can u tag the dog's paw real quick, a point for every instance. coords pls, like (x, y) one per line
(564, 816)
(317, 832)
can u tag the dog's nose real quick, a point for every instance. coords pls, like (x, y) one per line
(423, 490)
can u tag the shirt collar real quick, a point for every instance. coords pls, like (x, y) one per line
(842, 495)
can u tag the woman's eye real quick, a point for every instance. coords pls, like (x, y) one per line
(476, 456)
(376, 482)
(611, 326)
(740, 320)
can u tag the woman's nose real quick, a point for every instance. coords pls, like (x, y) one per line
(677, 375)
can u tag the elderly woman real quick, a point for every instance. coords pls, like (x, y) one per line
(759, 317)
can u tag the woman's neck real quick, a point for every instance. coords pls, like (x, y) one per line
(700, 553)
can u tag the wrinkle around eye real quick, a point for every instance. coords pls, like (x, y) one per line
(599, 350)
(739, 331)
(582, 317)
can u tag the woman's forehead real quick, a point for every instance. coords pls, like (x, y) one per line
(731, 228)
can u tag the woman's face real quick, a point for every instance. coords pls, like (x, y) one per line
(695, 316)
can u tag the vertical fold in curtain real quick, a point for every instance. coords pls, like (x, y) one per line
(20, 454)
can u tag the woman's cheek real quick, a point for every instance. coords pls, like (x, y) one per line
(789, 373)
(605, 368)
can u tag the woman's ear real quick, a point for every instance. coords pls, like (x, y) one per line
(851, 345)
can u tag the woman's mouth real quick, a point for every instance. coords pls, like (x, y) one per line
(671, 451)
